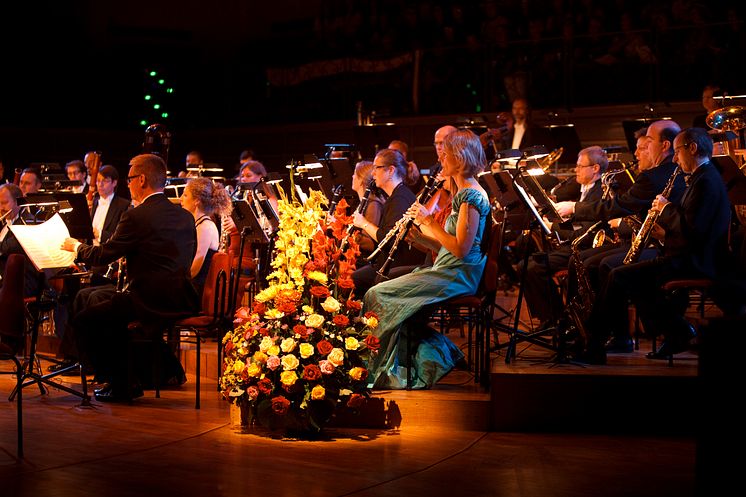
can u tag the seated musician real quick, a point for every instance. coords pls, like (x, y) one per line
(158, 241)
(694, 232)
(30, 181)
(389, 171)
(361, 181)
(414, 179)
(542, 296)
(9, 244)
(203, 199)
(76, 171)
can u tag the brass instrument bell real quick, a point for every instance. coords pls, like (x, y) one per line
(731, 118)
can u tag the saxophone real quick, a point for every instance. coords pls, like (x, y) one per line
(580, 306)
(641, 238)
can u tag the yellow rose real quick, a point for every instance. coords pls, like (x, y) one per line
(307, 309)
(351, 343)
(265, 344)
(314, 320)
(260, 357)
(289, 362)
(336, 357)
(273, 350)
(287, 345)
(371, 322)
(318, 393)
(274, 314)
(330, 305)
(254, 370)
(306, 350)
(358, 374)
(238, 366)
(288, 378)
(317, 276)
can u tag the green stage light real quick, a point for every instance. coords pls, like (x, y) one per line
(164, 114)
(169, 90)
(157, 106)
(143, 122)
(153, 73)
(161, 81)
(148, 97)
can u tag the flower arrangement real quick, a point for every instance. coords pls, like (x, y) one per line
(300, 351)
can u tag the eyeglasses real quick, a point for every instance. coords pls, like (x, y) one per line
(381, 167)
(580, 166)
(685, 145)
(130, 178)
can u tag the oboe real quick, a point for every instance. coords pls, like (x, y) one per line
(360, 210)
(403, 225)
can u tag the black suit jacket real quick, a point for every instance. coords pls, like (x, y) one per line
(638, 197)
(579, 227)
(10, 245)
(158, 241)
(697, 226)
(533, 136)
(119, 205)
(394, 209)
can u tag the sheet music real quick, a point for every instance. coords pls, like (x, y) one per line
(528, 201)
(42, 243)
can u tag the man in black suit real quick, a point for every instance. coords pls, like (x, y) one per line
(158, 241)
(542, 296)
(524, 132)
(655, 161)
(108, 207)
(9, 244)
(695, 236)
(76, 171)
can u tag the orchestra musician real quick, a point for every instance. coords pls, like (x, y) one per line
(158, 241)
(30, 181)
(389, 171)
(542, 295)
(76, 171)
(204, 199)
(457, 271)
(361, 181)
(9, 244)
(695, 245)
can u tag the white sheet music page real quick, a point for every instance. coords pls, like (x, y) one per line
(42, 243)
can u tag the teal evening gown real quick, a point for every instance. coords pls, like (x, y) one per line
(396, 301)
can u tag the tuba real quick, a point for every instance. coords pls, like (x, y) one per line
(157, 141)
(732, 119)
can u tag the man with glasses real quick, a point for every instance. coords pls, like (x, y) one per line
(542, 296)
(157, 240)
(694, 231)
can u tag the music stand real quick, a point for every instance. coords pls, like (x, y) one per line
(40, 248)
(525, 194)
(77, 220)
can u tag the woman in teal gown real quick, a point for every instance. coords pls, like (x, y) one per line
(456, 271)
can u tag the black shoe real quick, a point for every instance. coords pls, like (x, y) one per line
(109, 394)
(674, 345)
(620, 345)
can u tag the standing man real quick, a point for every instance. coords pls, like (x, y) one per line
(158, 241)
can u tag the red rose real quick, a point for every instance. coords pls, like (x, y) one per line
(372, 342)
(319, 291)
(264, 332)
(300, 330)
(345, 283)
(265, 386)
(311, 372)
(286, 307)
(354, 305)
(371, 314)
(259, 307)
(280, 405)
(356, 400)
(324, 347)
(228, 347)
(341, 320)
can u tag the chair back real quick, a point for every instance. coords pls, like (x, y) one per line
(11, 301)
(488, 284)
(214, 292)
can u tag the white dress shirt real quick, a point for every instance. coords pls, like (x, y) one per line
(518, 131)
(100, 216)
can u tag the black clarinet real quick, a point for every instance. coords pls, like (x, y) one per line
(360, 210)
(337, 192)
(406, 223)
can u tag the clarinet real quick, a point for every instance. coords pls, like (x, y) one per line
(360, 210)
(404, 224)
(337, 192)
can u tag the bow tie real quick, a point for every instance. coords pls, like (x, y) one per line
(687, 178)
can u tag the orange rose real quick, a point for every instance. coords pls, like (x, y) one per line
(341, 320)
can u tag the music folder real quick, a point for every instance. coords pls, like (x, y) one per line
(42, 243)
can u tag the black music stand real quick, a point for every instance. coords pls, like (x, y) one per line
(77, 220)
(524, 187)
(43, 303)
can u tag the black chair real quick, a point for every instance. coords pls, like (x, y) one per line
(12, 327)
